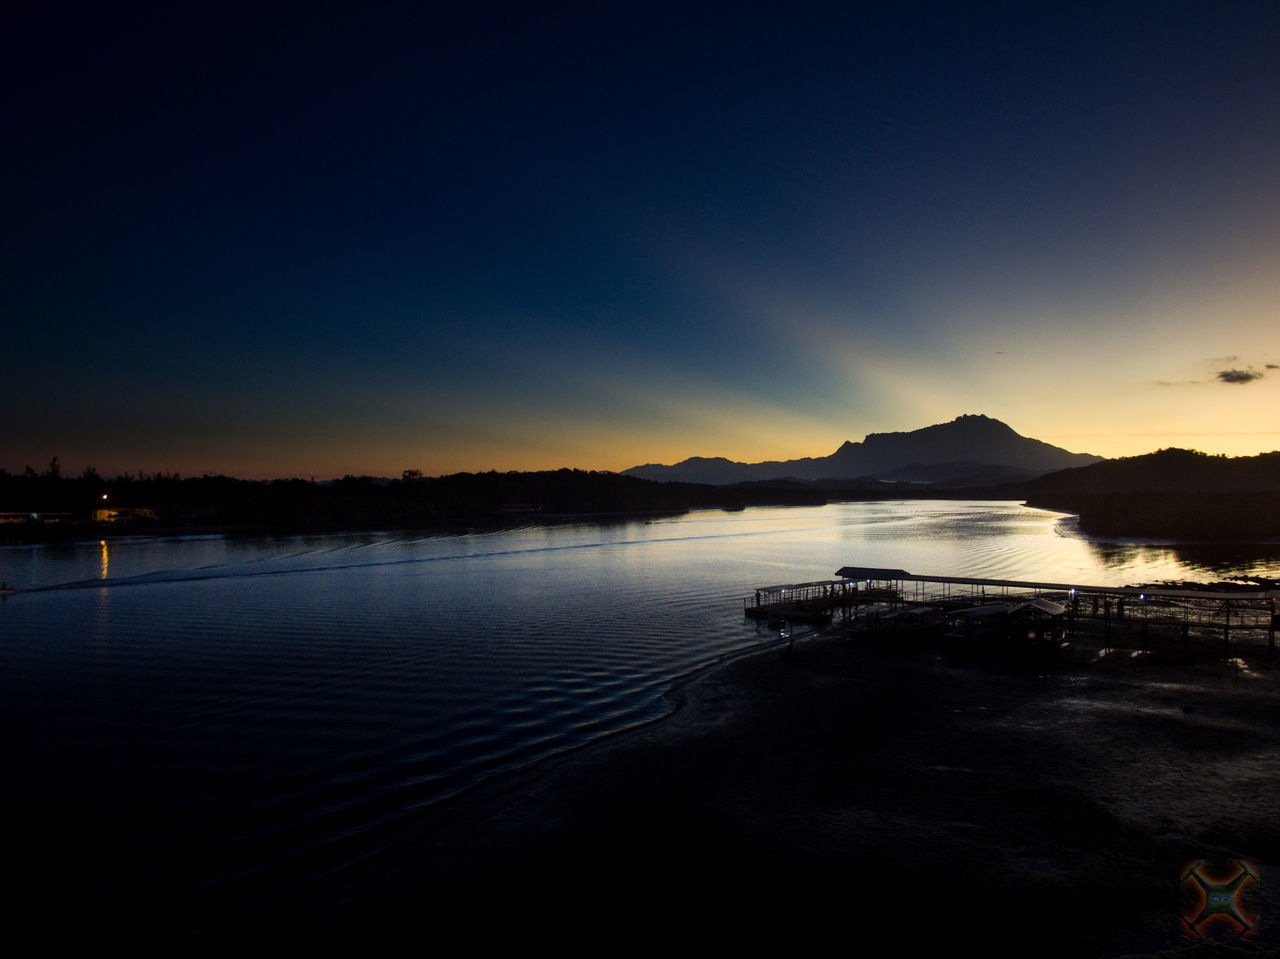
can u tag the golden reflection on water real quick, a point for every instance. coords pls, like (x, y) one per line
(1242, 668)
(106, 559)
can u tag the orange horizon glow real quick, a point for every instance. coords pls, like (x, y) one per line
(595, 455)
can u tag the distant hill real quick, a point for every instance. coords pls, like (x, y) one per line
(1168, 470)
(970, 450)
(1174, 493)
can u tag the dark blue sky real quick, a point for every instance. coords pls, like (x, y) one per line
(314, 241)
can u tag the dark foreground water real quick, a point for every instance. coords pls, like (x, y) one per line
(189, 727)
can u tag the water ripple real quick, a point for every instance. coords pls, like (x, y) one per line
(233, 715)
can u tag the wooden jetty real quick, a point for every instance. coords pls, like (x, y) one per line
(1115, 615)
(812, 602)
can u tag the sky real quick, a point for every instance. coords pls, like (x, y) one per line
(321, 240)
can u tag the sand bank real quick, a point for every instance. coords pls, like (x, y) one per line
(872, 794)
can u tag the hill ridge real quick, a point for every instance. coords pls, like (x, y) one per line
(981, 441)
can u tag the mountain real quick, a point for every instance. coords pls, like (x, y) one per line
(979, 448)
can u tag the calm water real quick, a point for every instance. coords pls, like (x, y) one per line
(221, 717)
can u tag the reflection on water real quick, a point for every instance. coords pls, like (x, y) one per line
(1202, 561)
(1163, 560)
(736, 550)
(1242, 668)
(221, 711)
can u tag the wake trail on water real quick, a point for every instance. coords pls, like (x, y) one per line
(256, 567)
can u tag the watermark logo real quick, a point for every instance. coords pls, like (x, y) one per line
(1216, 899)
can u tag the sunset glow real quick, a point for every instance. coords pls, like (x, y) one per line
(593, 238)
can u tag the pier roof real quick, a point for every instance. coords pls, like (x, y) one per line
(901, 575)
(872, 572)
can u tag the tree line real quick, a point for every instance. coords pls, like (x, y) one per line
(1171, 493)
(45, 505)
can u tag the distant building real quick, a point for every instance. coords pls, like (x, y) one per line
(123, 515)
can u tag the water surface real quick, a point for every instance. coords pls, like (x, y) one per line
(221, 717)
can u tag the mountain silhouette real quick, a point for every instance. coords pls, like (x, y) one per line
(974, 446)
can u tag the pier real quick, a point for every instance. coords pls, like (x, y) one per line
(1114, 615)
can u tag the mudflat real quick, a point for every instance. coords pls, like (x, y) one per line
(860, 796)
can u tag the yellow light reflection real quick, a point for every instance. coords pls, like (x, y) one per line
(105, 558)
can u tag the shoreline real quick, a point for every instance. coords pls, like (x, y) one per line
(859, 791)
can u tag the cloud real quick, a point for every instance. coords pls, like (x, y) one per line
(1238, 376)
(1273, 366)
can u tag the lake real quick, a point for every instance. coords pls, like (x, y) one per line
(194, 725)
